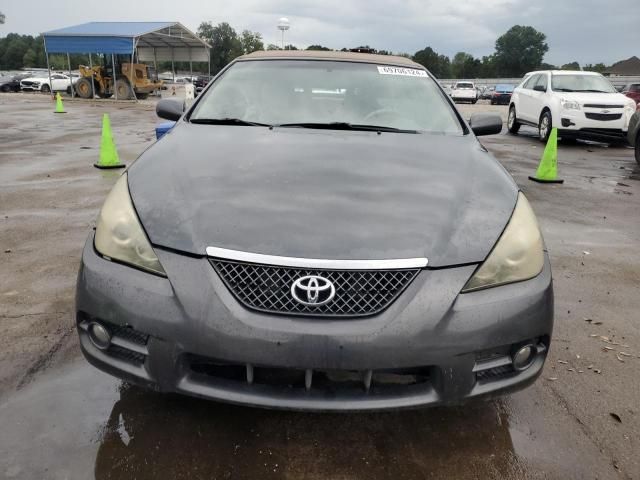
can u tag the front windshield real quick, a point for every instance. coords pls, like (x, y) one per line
(581, 83)
(276, 92)
(464, 85)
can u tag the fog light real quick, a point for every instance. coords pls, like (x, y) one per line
(99, 335)
(523, 357)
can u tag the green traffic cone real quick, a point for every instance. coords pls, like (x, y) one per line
(548, 169)
(108, 153)
(59, 106)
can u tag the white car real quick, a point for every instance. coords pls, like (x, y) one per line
(464, 92)
(59, 82)
(580, 104)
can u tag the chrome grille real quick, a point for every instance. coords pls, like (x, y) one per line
(267, 288)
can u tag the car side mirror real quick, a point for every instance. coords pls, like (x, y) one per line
(540, 88)
(170, 109)
(485, 124)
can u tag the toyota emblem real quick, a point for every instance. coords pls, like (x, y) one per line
(313, 290)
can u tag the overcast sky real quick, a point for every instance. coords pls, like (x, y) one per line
(588, 31)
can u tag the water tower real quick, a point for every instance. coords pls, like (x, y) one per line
(283, 26)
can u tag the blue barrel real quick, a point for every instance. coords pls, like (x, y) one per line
(163, 128)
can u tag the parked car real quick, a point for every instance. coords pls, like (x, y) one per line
(166, 77)
(59, 83)
(632, 90)
(464, 92)
(634, 132)
(355, 250)
(11, 83)
(200, 82)
(486, 93)
(502, 94)
(447, 89)
(580, 104)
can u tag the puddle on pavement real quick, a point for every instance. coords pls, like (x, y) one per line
(77, 422)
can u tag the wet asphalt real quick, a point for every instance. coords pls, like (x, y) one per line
(62, 419)
(82, 423)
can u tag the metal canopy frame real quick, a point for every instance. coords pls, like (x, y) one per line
(149, 41)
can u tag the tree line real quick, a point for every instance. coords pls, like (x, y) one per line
(517, 51)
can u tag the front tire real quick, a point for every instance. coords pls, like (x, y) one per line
(512, 121)
(45, 89)
(545, 125)
(84, 88)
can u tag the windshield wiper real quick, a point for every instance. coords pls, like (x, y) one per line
(594, 91)
(345, 126)
(227, 121)
(563, 89)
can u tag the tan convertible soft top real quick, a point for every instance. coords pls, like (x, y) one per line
(330, 55)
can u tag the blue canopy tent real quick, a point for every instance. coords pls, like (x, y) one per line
(151, 41)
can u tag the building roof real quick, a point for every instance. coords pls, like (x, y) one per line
(331, 55)
(120, 37)
(111, 29)
(630, 66)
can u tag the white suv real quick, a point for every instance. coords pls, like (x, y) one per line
(464, 92)
(59, 82)
(579, 104)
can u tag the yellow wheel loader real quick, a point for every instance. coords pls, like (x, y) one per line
(130, 78)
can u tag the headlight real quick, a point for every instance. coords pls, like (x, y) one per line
(517, 256)
(120, 236)
(570, 104)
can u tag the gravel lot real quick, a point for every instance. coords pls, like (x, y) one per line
(62, 419)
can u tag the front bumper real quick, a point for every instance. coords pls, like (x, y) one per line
(501, 99)
(577, 124)
(432, 346)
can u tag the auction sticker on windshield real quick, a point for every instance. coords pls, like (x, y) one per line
(407, 72)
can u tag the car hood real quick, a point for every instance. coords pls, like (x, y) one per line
(322, 193)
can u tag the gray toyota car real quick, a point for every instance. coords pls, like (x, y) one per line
(318, 231)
